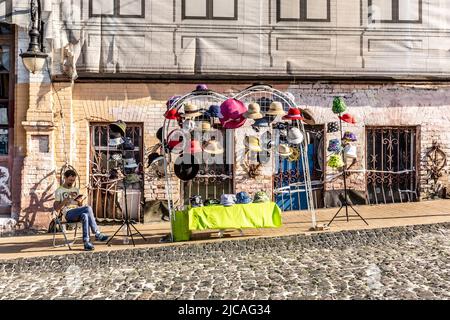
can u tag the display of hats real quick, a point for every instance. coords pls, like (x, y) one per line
(171, 101)
(332, 127)
(196, 201)
(211, 202)
(308, 117)
(201, 87)
(349, 137)
(276, 109)
(172, 114)
(293, 114)
(335, 161)
(191, 111)
(115, 139)
(214, 111)
(334, 145)
(253, 112)
(295, 136)
(284, 150)
(261, 196)
(350, 152)
(243, 198)
(338, 105)
(232, 112)
(213, 147)
(186, 168)
(253, 143)
(118, 127)
(348, 118)
(194, 147)
(227, 200)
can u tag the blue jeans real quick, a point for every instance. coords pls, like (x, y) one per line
(86, 216)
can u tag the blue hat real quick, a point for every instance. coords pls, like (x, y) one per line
(214, 111)
(243, 198)
(227, 200)
(263, 122)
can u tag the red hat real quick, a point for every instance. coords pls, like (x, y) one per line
(195, 147)
(293, 114)
(348, 118)
(232, 112)
(172, 114)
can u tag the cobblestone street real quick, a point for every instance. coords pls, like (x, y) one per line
(394, 263)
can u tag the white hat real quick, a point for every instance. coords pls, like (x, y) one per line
(227, 200)
(295, 136)
(350, 152)
(130, 163)
(284, 150)
(115, 142)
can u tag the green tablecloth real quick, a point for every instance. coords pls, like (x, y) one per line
(238, 216)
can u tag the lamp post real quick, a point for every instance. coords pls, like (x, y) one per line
(34, 58)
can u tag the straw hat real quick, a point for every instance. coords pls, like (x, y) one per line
(253, 143)
(191, 111)
(206, 126)
(254, 112)
(276, 109)
(284, 150)
(213, 147)
(309, 118)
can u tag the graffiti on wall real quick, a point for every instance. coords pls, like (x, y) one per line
(5, 193)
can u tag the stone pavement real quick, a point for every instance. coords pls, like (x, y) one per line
(294, 223)
(411, 262)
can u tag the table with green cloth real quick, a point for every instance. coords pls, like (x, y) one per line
(237, 216)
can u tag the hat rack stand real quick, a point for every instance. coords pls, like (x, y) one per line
(255, 92)
(178, 106)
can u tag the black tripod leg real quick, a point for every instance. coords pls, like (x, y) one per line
(138, 232)
(130, 234)
(335, 215)
(358, 214)
(116, 233)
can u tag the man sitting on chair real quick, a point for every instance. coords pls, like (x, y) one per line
(69, 200)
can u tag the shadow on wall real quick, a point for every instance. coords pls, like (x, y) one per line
(39, 203)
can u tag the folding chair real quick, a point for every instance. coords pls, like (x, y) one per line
(61, 225)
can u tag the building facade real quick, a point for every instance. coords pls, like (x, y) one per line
(120, 59)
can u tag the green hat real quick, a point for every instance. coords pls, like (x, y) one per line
(335, 161)
(339, 105)
(261, 196)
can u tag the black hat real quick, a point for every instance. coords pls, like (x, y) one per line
(159, 134)
(332, 127)
(118, 127)
(152, 157)
(127, 144)
(186, 171)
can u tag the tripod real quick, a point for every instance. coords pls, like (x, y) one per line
(345, 202)
(126, 222)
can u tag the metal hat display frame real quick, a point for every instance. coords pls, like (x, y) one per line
(246, 96)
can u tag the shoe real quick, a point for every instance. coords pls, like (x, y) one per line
(101, 237)
(88, 246)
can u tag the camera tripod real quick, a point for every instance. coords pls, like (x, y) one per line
(127, 222)
(345, 202)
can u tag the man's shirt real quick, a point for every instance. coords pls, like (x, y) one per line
(63, 193)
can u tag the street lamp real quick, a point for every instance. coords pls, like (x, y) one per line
(34, 58)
